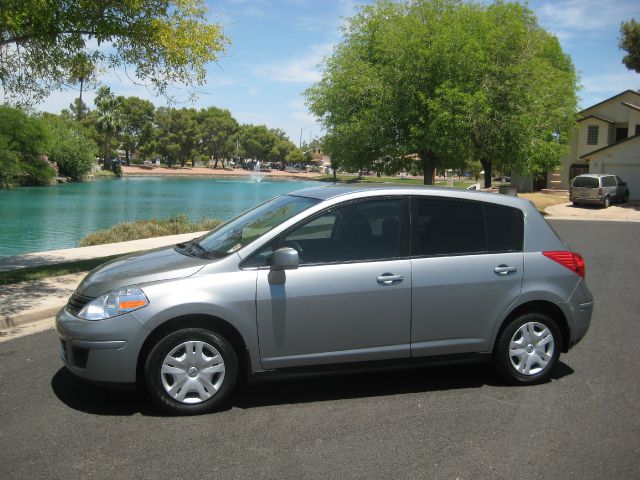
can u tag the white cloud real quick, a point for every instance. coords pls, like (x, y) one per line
(571, 17)
(610, 83)
(303, 69)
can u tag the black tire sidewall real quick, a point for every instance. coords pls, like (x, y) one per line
(157, 355)
(501, 358)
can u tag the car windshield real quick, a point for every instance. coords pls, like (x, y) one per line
(588, 182)
(251, 225)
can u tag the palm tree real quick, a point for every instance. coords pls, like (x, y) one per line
(82, 72)
(109, 120)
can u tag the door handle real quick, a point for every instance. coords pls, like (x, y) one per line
(389, 278)
(505, 270)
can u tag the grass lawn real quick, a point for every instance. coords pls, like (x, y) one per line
(544, 200)
(394, 180)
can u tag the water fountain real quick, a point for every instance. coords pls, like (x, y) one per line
(257, 175)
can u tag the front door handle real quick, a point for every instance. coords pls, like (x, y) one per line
(505, 270)
(389, 278)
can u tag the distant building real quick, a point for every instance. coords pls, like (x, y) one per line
(607, 140)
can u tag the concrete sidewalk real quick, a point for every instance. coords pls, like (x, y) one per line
(619, 212)
(52, 257)
(26, 302)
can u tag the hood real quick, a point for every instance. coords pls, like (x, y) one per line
(159, 264)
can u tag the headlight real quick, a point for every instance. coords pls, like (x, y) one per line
(114, 303)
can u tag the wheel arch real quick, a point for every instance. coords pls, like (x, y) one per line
(208, 322)
(539, 306)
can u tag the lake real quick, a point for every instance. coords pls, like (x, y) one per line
(36, 219)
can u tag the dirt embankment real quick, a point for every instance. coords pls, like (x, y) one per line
(138, 170)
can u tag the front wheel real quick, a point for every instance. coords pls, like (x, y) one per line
(191, 371)
(528, 349)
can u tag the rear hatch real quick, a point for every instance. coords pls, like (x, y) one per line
(585, 188)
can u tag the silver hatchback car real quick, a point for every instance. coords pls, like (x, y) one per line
(332, 278)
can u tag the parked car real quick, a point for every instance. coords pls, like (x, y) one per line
(598, 189)
(332, 278)
(503, 179)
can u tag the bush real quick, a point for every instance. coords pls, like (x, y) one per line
(23, 144)
(172, 225)
(71, 148)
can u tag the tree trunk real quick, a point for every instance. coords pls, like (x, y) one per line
(79, 114)
(486, 165)
(215, 164)
(107, 150)
(429, 161)
(126, 154)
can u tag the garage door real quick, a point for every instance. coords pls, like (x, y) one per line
(628, 173)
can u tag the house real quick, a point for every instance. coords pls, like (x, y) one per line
(607, 140)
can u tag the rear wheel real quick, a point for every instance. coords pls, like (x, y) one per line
(191, 371)
(528, 349)
(606, 202)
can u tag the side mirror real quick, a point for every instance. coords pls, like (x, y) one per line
(284, 259)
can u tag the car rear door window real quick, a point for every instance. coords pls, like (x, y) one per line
(457, 227)
(608, 181)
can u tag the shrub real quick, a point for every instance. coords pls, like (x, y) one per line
(172, 225)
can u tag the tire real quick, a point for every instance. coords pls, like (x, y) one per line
(191, 371)
(625, 198)
(533, 361)
(606, 202)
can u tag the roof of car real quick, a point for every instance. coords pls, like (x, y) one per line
(594, 175)
(327, 192)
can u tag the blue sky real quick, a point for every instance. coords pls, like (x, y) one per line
(277, 44)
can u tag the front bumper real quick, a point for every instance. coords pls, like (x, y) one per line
(104, 351)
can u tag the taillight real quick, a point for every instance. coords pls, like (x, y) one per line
(600, 191)
(571, 260)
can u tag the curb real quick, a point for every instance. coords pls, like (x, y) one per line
(11, 321)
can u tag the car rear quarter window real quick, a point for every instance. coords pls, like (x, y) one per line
(454, 227)
(586, 182)
(609, 181)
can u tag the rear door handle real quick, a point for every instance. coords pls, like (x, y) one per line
(389, 278)
(505, 270)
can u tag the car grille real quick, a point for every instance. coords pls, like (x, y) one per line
(77, 303)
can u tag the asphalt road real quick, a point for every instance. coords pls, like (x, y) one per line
(453, 422)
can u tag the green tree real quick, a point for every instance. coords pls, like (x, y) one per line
(83, 73)
(630, 43)
(176, 134)
(257, 141)
(70, 147)
(446, 80)
(24, 141)
(137, 124)
(216, 129)
(165, 41)
(108, 121)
